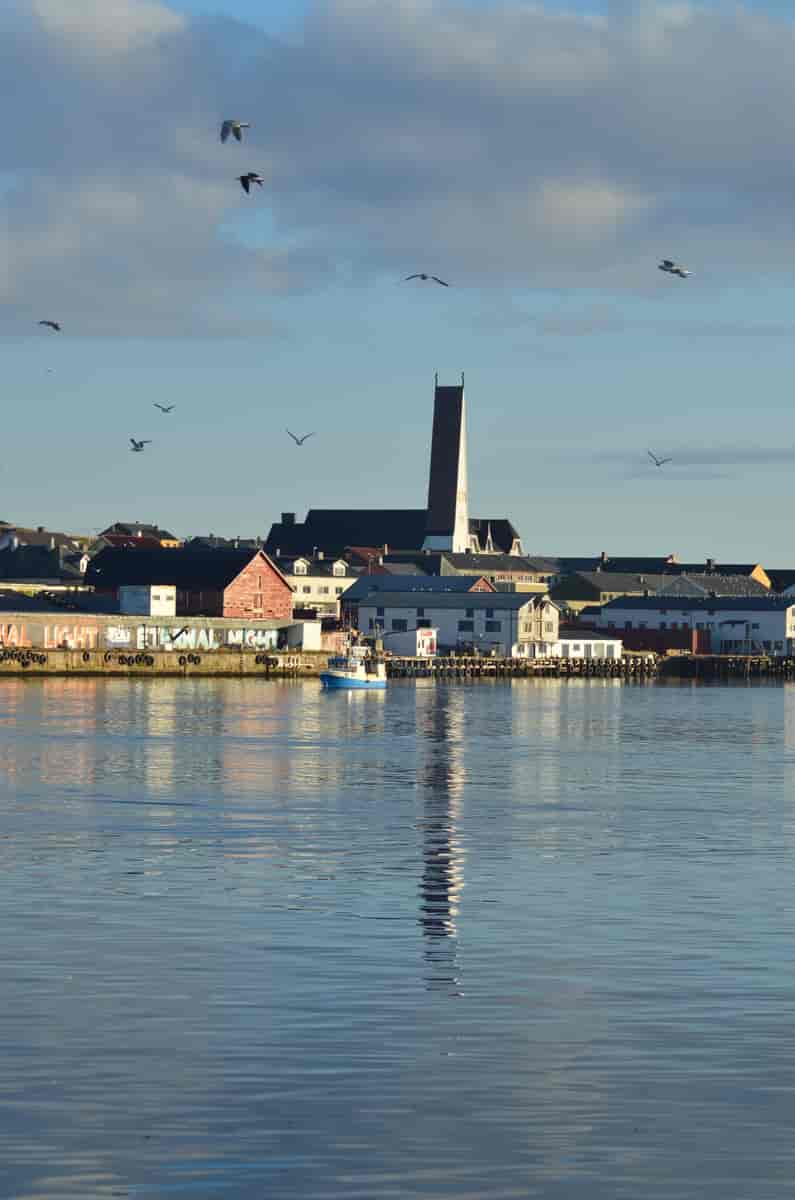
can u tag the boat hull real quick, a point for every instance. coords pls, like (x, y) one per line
(331, 679)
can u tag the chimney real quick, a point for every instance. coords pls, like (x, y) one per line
(320, 555)
(39, 529)
(603, 558)
(386, 549)
(52, 541)
(710, 565)
(288, 518)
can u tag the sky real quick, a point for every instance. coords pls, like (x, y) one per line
(541, 157)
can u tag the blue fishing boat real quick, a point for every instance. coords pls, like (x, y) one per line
(357, 668)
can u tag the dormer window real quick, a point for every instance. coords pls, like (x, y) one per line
(299, 567)
(339, 569)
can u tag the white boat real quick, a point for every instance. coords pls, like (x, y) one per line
(357, 668)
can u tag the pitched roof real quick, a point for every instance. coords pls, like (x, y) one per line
(373, 585)
(666, 564)
(496, 562)
(503, 532)
(781, 577)
(766, 603)
(187, 569)
(40, 536)
(334, 529)
(126, 541)
(133, 528)
(37, 563)
(709, 584)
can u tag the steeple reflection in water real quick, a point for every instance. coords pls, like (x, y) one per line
(441, 779)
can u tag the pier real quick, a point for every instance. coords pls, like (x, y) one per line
(633, 666)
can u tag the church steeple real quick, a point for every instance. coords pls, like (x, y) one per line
(447, 523)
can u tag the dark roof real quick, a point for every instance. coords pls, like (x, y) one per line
(781, 577)
(769, 602)
(212, 542)
(133, 528)
(503, 532)
(334, 529)
(705, 584)
(40, 536)
(367, 585)
(483, 563)
(37, 563)
(619, 581)
(317, 566)
(183, 568)
(659, 565)
(126, 541)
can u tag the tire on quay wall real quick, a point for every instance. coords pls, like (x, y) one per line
(86, 656)
(182, 660)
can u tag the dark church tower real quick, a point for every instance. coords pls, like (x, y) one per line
(447, 522)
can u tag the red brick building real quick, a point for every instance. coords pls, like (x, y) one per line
(210, 583)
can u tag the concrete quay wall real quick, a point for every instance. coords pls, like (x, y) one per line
(33, 662)
(135, 635)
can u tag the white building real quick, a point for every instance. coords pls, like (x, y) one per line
(318, 582)
(739, 625)
(485, 621)
(588, 646)
(155, 600)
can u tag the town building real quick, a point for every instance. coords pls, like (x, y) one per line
(148, 600)
(444, 525)
(368, 586)
(668, 565)
(583, 589)
(220, 583)
(318, 583)
(140, 529)
(733, 624)
(481, 621)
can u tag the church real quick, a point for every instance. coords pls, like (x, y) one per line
(444, 526)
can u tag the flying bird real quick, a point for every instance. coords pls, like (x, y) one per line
(658, 462)
(421, 275)
(672, 268)
(235, 127)
(137, 447)
(299, 441)
(165, 408)
(52, 324)
(249, 178)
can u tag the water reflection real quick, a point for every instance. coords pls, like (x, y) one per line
(441, 778)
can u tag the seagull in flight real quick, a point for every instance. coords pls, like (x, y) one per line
(658, 462)
(54, 326)
(421, 275)
(249, 178)
(299, 441)
(137, 447)
(165, 408)
(671, 268)
(235, 127)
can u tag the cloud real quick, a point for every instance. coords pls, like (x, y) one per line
(505, 145)
(106, 26)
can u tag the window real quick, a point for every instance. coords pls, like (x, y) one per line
(399, 625)
(299, 568)
(423, 623)
(662, 625)
(466, 626)
(470, 612)
(372, 624)
(379, 612)
(494, 627)
(338, 591)
(489, 612)
(549, 627)
(323, 591)
(338, 569)
(527, 626)
(306, 588)
(755, 625)
(420, 612)
(627, 624)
